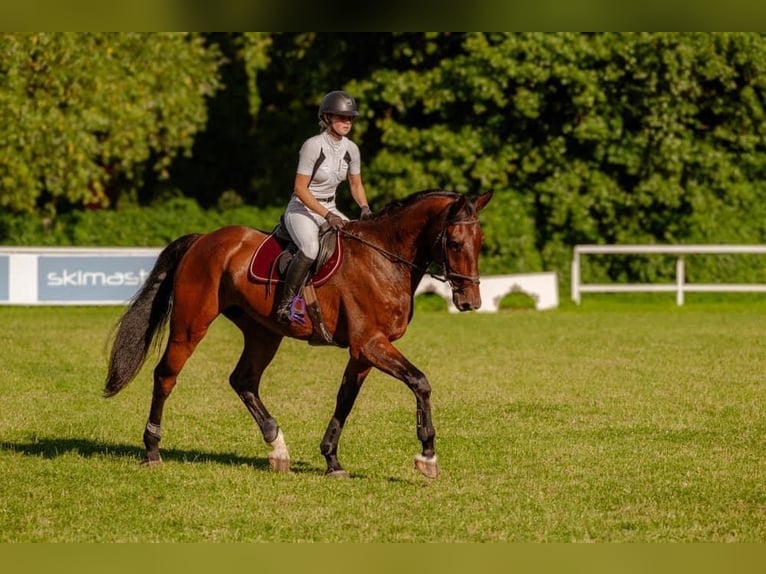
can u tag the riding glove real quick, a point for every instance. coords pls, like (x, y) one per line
(335, 221)
(366, 212)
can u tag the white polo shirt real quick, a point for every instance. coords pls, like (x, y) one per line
(341, 158)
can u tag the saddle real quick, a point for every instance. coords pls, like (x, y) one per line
(270, 261)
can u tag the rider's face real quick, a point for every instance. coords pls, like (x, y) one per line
(341, 124)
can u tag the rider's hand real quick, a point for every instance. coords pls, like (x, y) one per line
(335, 221)
(366, 212)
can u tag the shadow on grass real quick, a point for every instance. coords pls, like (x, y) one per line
(52, 448)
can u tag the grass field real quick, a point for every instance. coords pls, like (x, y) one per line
(606, 423)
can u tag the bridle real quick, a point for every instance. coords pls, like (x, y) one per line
(448, 275)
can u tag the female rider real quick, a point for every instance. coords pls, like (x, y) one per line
(325, 161)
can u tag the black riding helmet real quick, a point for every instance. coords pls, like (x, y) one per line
(338, 103)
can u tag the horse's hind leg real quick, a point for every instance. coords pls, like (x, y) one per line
(165, 377)
(260, 347)
(183, 338)
(353, 377)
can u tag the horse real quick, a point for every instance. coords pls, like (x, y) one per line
(365, 305)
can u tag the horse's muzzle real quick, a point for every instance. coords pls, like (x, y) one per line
(467, 299)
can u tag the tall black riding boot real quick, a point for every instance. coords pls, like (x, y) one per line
(295, 276)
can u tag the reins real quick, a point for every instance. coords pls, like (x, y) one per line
(379, 249)
(441, 238)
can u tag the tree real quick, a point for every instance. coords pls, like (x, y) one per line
(595, 137)
(83, 114)
(225, 155)
(585, 138)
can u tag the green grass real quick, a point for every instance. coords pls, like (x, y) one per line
(610, 422)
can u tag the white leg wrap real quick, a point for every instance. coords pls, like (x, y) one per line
(279, 447)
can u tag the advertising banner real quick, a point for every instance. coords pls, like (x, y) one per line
(73, 276)
(101, 279)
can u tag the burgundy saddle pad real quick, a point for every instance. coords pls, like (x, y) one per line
(263, 268)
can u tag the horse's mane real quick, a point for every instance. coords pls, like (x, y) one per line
(399, 204)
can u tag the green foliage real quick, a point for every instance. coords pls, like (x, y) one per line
(254, 53)
(429, 302)
(516, 300)
(84, 115)
(130, 225)
(509, 236)
(302, 67)
(585, 138)
(225, 154)
(602, 138)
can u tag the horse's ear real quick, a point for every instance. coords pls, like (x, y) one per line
(483, 200)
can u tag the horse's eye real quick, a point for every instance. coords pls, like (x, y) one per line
(454, 245)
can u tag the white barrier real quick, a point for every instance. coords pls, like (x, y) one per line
(680, 286)
(543, 288)
(111, 276)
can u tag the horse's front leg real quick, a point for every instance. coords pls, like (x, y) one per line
(353, 377)
(383, 355)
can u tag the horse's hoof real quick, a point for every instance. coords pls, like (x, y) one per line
(427, 466)
(280, 464)
(149, 462)
(338, 474)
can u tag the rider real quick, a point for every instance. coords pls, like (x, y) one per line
(325, 161)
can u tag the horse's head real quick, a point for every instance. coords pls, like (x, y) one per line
(460, 243)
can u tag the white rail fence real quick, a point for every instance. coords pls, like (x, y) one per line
(680, 286)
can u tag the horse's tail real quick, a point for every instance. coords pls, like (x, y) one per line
(144, 318)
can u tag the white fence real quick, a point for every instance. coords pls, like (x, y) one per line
(680, 286)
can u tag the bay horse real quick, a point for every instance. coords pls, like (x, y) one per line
(366, 305)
